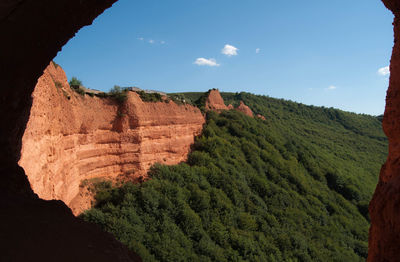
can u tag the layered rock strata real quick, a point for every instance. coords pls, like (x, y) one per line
(71, 138)
(384, 209)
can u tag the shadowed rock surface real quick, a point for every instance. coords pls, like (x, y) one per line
(37, 230)
(384, 237)
(32, 229)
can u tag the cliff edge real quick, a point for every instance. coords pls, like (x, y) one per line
(71, 138)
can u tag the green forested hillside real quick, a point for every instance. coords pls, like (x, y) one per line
(294, 187)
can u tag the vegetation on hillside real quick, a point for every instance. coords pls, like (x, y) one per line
(150, 97)
(294, 187)
(119, 94)
(76, 85)
(179, 99)
(193, 98)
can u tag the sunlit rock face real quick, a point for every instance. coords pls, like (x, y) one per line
(244, 109)
(71, 138)
(384, 237)
(215, 101)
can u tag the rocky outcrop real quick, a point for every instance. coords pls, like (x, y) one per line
(261, 117)
(384, 236)
(244, 109)
(215, 101)
(33, 229)
(71, 138)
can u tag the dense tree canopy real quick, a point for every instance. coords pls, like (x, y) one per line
(294, 187)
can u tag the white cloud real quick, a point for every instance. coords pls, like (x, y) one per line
(331, 87)
(229, 50)
(151, 41)
(206, 62)
(258, 50)
(384, 71)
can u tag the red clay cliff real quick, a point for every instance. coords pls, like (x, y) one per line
(71, 138)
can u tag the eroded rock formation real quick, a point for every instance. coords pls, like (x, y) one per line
(71, 138)
(244, 109)
(384, 237)
(215, 101)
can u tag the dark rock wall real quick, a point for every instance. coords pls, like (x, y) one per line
(31, 229)
(384, 237)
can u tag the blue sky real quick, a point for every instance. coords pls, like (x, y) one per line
(314, 52)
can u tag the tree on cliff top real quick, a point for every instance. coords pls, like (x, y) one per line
(75, 82)
(119, 94)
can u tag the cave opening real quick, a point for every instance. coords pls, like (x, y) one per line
(20, 69)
